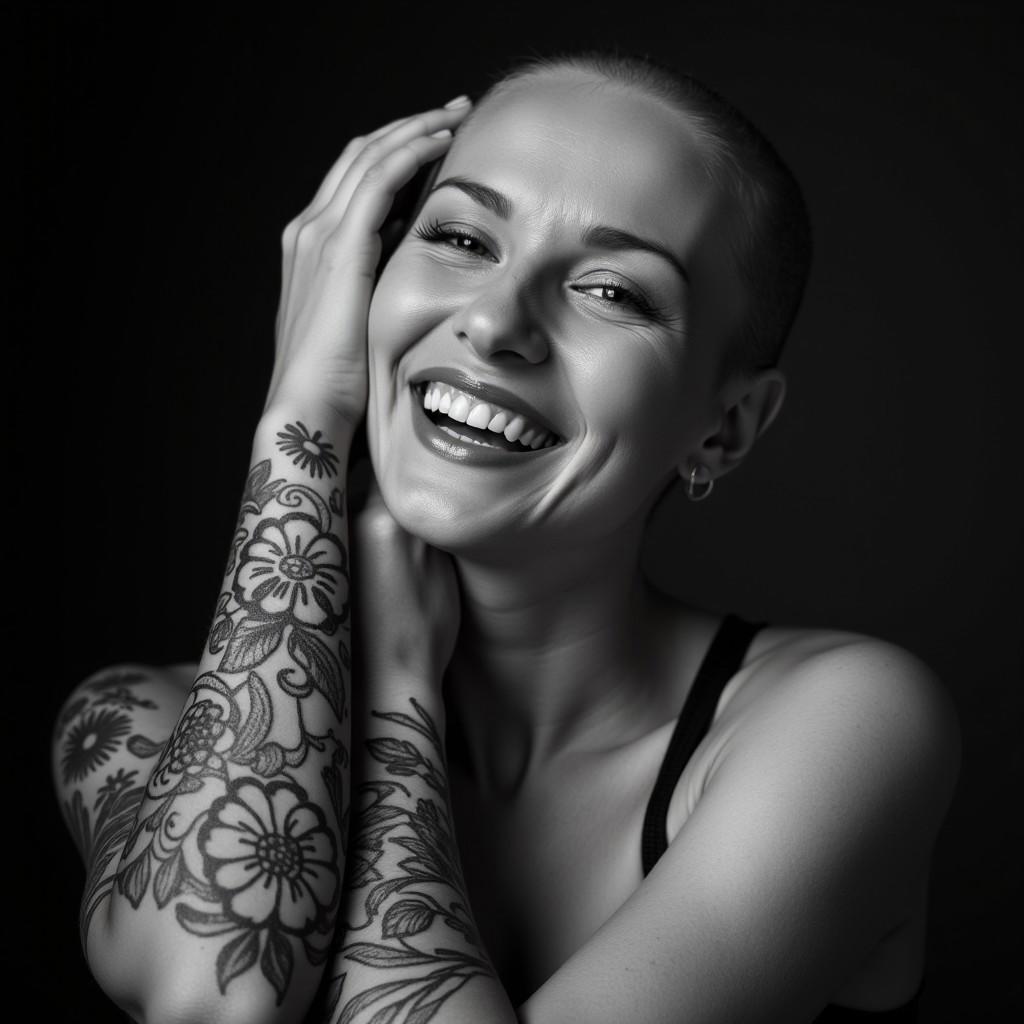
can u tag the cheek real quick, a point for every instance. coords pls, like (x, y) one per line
(636, 395)
(393, 311)
(400, 315)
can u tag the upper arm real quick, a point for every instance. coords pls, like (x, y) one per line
(107, 738)
(818, 818)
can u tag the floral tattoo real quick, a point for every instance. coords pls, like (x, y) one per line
(308, 451)
(254, 861)
(417, 909)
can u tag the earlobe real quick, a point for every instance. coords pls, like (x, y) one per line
(749, 406)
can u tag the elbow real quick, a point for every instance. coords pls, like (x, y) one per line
(157, 983)
(176, 1004)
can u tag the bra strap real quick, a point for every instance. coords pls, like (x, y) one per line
(721, 662)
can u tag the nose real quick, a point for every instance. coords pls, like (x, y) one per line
(497, 323)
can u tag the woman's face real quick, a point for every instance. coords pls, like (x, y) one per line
(569, 276)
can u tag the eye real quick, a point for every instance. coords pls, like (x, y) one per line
(617, 294)
(454, 237)
(610, 293)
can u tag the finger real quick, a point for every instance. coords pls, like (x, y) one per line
(327, 188)
(354, 246)
(333, 177)
(373, 153)
(394, 133)
(372, 198)
(357, 146)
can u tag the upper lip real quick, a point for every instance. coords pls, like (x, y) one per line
(486, 392)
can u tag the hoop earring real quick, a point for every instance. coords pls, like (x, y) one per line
(700, 483)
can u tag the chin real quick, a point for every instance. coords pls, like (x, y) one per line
(452, 518)
(455, 507)
(497, 505)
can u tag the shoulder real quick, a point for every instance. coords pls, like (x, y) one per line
(817, 798)
(849, 717)
(866, 710)
(849, 683)
(821, 788)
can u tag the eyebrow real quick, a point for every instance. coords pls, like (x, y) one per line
(500, 205)
(600, 236)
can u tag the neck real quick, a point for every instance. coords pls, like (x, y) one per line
(552, 656)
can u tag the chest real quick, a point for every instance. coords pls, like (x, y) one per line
(546, 870)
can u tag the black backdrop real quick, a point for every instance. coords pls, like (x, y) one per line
(158, 161)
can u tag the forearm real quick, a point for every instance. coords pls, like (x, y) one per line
(227, 889)
(407, 941)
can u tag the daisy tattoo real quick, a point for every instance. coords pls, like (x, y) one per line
(308, 451)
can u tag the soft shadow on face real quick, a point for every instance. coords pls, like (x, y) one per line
(517, 285)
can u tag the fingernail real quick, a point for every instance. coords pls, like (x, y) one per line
(459, 101)
(444, 133)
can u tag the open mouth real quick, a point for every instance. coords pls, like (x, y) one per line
(466, 417)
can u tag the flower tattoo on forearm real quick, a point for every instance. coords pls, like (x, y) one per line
(240, 825)
(308, 451)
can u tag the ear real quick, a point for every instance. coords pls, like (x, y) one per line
(748, 406)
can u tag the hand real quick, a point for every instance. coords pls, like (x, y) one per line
(407, 601)
(330, 256)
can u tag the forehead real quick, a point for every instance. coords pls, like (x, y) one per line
(575, 148)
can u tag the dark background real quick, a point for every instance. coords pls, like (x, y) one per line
(157, 162)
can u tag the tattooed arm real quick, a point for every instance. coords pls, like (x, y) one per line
(407, 945)
(411, 948)
(213, 889)
(779, 887)
(214, 856)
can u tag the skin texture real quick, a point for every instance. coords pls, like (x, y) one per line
(211, 805)
(525, 310)
(514, 678)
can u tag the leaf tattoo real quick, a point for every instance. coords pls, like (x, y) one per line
(418, 900)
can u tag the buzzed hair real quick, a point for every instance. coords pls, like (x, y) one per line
(773, 250)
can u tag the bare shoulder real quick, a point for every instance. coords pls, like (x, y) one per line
(799, 845)
(852, 677)
(868, 714)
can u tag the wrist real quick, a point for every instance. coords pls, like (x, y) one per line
(334, 406)
(398, 691)
(310, 428)
(403, 670)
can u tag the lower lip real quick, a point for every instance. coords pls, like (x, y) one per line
(466, 452)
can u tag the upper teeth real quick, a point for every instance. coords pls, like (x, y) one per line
(465, 408)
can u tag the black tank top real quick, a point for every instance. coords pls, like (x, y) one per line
(720, 664)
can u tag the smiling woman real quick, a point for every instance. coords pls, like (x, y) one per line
(485, 771)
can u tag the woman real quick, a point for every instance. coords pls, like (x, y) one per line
(522, 824)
